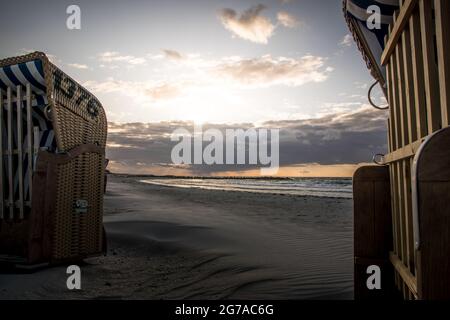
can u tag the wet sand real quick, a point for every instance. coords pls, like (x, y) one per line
(174, 243)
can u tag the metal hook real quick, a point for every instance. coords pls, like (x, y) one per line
(370, 98)
(48, 112)
(374, 159)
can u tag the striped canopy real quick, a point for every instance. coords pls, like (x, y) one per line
(21, 74)
(370, 42)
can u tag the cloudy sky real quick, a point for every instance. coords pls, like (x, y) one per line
(160, 65)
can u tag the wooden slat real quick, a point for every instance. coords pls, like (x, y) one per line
(393, 206)
(389, 140)
(401, 95)
(2, 193)
(397, 209)
(409, 86)
(29, 141)
(372, 229)
(36, 138)
(430, 68)
(442, 9)
(392, 146)
(395, 226)
(404, 212)
(409, 238)
(407, 151)
(401, 178)
(399, 25)
(401, 208)
(10, 153)
(395, 137)
(395, 101)
(399, 213)
(417, 75)
(411, 227)
(407, 277)
(391, 132)
(19, 104)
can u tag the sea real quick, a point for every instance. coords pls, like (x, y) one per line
(317, 187)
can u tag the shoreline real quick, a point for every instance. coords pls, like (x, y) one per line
(246, 191)
(129, 175)
(273, 189)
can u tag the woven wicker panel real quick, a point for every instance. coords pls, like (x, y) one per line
(78, 117)
(63, 222)
(79, 234)
(92, 234)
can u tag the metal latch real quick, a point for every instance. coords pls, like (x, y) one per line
(81, 206)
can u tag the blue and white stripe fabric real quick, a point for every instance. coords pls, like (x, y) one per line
(358, 11)
(32, 73)
(21, 74)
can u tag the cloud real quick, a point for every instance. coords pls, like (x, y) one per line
(287, 20)
(250, 25)
(172, 54)
(151, 90)
(199, 75)
(114, 56)
(342, 137)
(109, 66)
(163, 91)
(361, 85)
(110, 85)
(349, 136)
(142, 147)
(347, 41)
(266, 70)
(78, 66)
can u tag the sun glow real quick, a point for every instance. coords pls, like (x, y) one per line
(214, 104)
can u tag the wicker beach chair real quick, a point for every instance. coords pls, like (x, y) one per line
(52, 161)
(401, 211)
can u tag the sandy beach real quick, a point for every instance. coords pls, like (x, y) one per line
(184, 243)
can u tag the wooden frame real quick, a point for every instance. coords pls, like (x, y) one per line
(417, 61)
(372, 229)
(15, 150)
(42, 219)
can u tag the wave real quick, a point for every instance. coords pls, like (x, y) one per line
(318, 187)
